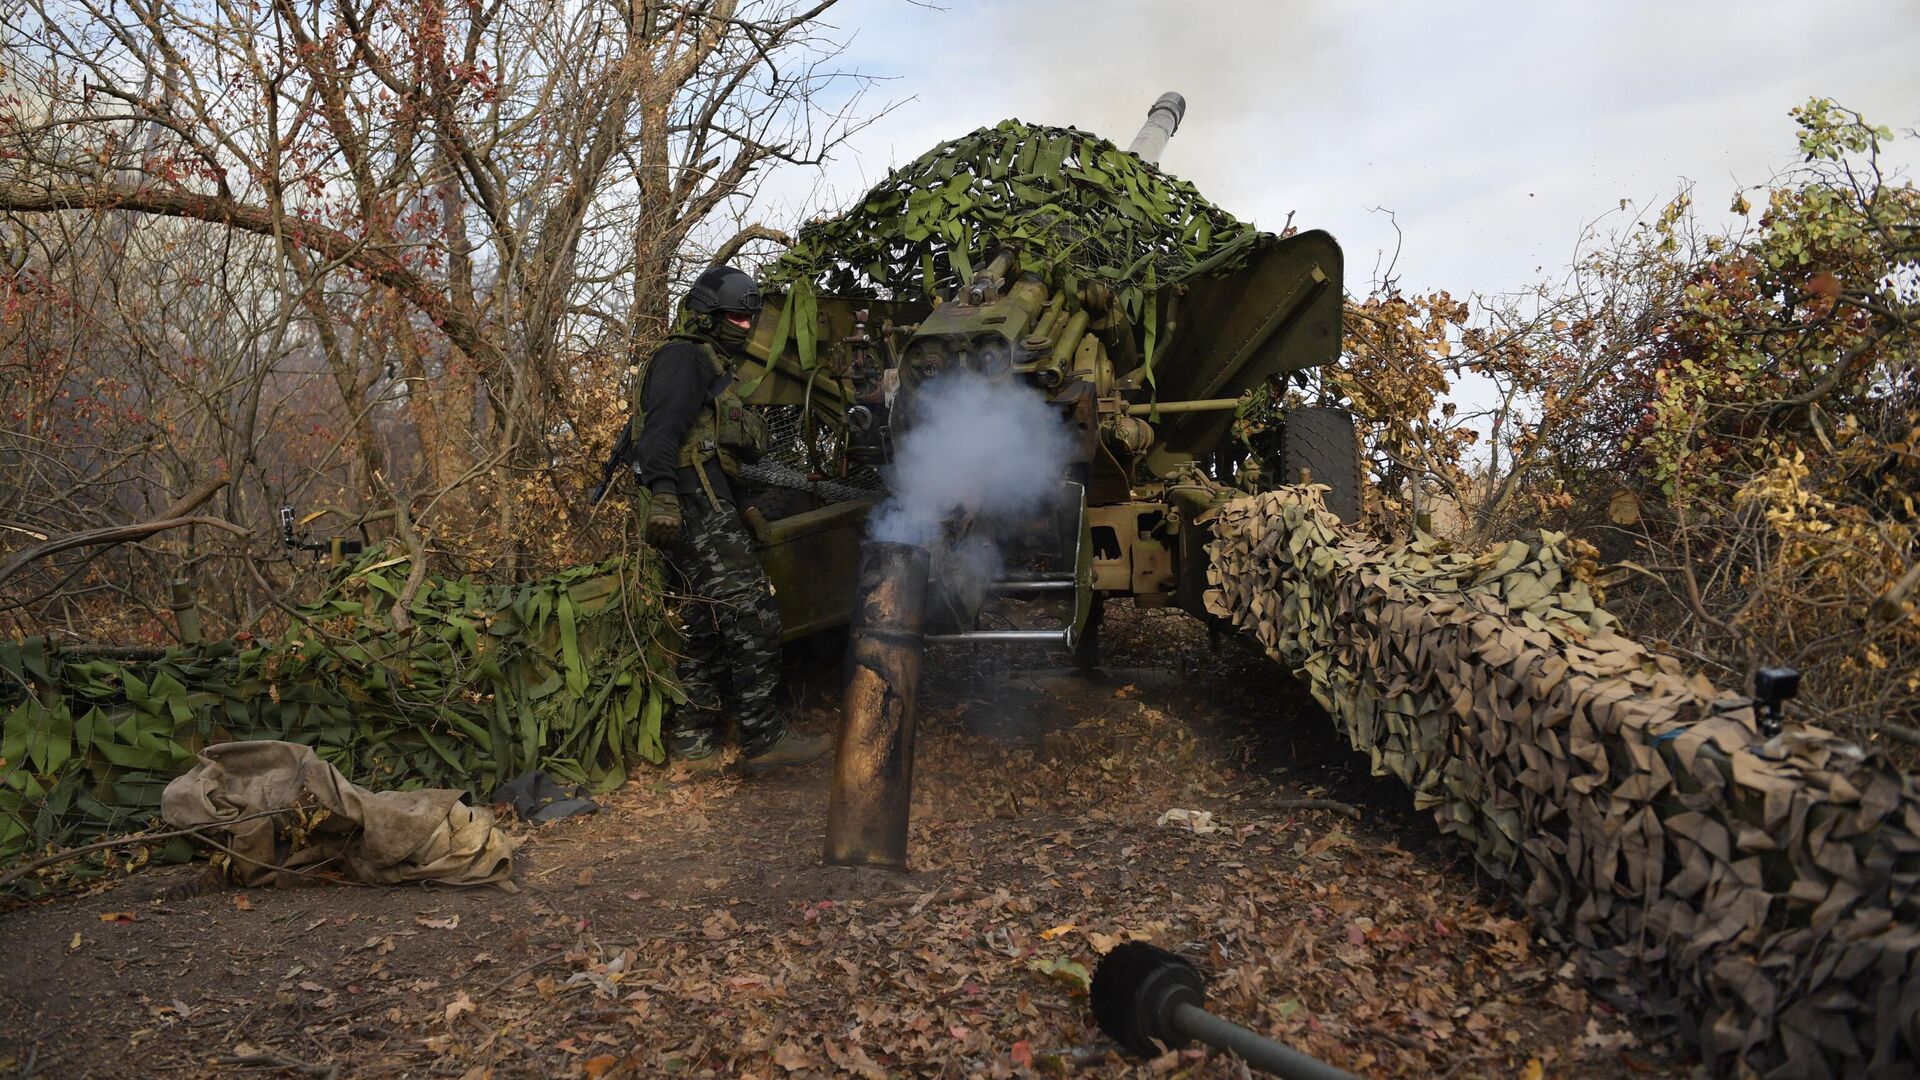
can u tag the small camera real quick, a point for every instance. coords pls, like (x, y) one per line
(1772, 687)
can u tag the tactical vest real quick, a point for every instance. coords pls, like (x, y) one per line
(725, 429)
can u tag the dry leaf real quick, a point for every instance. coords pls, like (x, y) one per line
(1200, 821)
(241, 902)
(461, 1003)
(447, 922)
(119, 916)
(791, 1057)
(598, 1065)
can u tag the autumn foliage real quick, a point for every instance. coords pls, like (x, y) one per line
(1732, 419)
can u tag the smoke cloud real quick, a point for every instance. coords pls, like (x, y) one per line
(995, 450)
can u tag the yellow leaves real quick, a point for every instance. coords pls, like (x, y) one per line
(1740, 204)
(1075, 977)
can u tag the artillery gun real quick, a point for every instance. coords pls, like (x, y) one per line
(1146, 378)
(1149, 457)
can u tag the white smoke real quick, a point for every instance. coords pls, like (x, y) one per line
(970, 445)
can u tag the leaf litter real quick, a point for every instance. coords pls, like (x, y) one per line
(689, 930)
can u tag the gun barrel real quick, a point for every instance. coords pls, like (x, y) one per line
(1162, 121)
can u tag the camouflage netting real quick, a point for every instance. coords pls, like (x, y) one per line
(1762, 892)
(563, 674)
(1079, 209)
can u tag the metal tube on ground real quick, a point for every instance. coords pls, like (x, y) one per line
(873, 765)
(1149, 1000)
(1256, 1050)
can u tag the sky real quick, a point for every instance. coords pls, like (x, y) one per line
(1495, 133)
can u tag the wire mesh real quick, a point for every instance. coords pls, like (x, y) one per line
(810, 458)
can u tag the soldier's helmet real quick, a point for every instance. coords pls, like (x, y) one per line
(724, 289)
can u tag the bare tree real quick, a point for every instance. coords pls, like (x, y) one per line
(458, 219)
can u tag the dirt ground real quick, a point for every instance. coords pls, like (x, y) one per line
(690, 930)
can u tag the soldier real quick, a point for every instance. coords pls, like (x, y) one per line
(690, 433)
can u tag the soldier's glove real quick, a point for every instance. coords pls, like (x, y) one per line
(757, 525)
(663, 518)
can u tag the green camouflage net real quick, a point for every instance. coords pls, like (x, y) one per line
(563, 674)
(1079, 208)
(1762, 891)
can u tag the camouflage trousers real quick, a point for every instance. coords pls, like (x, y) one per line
(730, 662)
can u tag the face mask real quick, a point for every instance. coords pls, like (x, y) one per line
(730, 337)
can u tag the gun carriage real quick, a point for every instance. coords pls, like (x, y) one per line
(1148, 397)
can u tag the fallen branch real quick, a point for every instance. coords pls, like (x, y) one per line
(114, 652)
(129, 840)
(1335, 805)
(1910, 736)
(279, 1061)
(918, 901)
(525, 969)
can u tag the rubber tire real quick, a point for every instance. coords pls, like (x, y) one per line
(1086, 649)
(1320, 438)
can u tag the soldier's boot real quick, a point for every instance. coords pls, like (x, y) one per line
(698, 753)
(792, 748)
(708, 764)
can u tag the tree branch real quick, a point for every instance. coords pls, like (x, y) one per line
(725, 252)
(329, 243)
(172, 517)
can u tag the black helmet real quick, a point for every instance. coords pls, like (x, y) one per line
(723, 288)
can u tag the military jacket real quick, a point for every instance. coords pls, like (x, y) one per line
(690, 429)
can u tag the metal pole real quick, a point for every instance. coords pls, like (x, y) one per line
(1256, 1050)
(1164, 408)
(998, 637)
(1033, 586)
(873, 765)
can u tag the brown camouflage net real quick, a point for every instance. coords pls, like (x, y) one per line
(1761, 892)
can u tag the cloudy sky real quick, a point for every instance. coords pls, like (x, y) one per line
(1493, 131)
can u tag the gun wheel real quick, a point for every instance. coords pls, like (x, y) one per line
(1320, 439)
